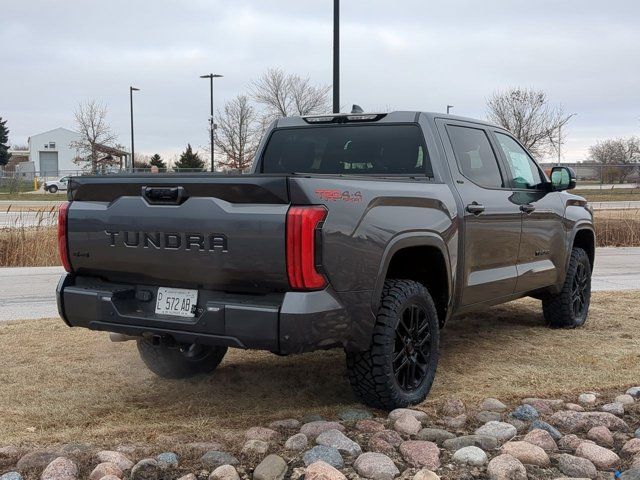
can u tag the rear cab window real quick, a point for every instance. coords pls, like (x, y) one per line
(475, 157)
(386, 149)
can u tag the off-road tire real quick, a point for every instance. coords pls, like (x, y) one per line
(560, 310)
(170, 361)
(372, 373)
(52, 189)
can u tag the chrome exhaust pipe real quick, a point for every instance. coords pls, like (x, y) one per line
(120, 337)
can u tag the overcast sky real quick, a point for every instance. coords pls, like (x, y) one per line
(402, 54)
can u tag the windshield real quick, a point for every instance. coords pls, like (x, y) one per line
(348, 149)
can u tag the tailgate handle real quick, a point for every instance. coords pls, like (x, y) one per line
(165, 195)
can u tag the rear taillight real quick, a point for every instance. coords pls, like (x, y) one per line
(303, 247)
(63, 248)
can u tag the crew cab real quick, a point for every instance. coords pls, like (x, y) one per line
(366, 232)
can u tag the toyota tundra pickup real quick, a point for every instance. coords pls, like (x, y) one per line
(366, 232)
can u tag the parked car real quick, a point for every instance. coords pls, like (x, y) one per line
(367, 232)
(54, 185)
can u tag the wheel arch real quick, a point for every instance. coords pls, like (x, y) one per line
(584, 237)
(422, 257)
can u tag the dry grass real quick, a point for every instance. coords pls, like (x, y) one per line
(36, 246)
(617, 228)
(31, 241)
(59, 384)
(608, 194)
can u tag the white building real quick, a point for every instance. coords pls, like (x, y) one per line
(51, 152)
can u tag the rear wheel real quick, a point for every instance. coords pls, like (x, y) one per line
(570, 307)
(179, 361)
(399, 368)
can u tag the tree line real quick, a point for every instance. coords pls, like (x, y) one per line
(241, 122)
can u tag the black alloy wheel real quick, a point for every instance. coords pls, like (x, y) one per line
(411, 355)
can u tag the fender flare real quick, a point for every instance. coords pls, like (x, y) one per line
(407, 240)
(584, 225)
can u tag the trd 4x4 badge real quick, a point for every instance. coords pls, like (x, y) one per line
(339, 195)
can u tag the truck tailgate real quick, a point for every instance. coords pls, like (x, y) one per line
(225, 233)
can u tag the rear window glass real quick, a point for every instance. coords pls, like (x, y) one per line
(348, 149)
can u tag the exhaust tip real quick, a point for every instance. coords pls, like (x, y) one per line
(119, 337)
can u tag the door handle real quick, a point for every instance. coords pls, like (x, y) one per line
(527, 208)
(475, 208)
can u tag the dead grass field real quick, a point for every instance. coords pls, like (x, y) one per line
(37, 246)
(65, 385)
(608, 194)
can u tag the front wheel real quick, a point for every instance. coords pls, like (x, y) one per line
(570, 307)
(400, 365)
(53, 189)
(179, 361)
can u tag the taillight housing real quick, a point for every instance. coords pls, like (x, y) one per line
(304, 248)
(63, 244)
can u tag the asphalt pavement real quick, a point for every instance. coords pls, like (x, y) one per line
(29, 293)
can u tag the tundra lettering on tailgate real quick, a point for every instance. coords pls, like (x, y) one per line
(211, 242)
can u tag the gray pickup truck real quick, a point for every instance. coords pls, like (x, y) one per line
(361, 231)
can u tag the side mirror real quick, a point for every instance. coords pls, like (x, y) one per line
(562, 178)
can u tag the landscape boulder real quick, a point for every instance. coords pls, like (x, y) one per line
(506, 467)
(376, 466)
(61, 468)
(419, 453)
(322, 471)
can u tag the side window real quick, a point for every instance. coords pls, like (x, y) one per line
(476, 159)
(524, 171)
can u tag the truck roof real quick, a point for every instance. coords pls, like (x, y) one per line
(390, 117)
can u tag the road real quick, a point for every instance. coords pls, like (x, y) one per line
(27, 219)
(30, 292)
(628, 205)
(604, 186)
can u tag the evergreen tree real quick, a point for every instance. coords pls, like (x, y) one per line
(189, 160)
(4, 143)
(157, 161)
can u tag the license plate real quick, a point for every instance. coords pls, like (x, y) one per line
(176, 301)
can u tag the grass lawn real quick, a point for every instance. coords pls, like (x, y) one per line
(72, 385)
(32, 197)
(608, 195)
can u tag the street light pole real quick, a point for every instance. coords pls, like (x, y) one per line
(212, 125)
(133, 150)
(336, 56)
(449, 107)
(559, 143)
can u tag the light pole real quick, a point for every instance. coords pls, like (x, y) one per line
(336, 56)
(133, 150)
(212, 125)
(449, 107)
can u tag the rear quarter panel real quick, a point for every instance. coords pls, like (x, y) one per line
(367, 216)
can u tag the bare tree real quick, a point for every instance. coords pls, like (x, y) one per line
(142, 162)
(619, 157)
(285, 95)
(527, 114)
(238, 134)
(91, 122)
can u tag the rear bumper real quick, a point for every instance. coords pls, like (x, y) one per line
(291, 322)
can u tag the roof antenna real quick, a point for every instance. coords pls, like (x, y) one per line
(356, 109)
